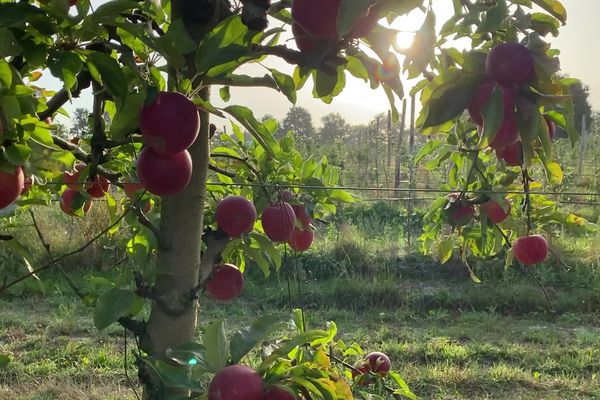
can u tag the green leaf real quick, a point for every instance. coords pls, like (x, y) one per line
(112, 305)
(285, 83)
(554, 7)
(447, 102)
(5, 74)
(444, 250)
(127, 118)
(228, 42)
(17, 154)
(493, 115)
(189, 354)
(225, 93)
(349, 11)
(65, 66)
(262, 135)
(426, 150)
(4, 360)
(494, 17)
(341, 195)
(217, 346)
(246, 339)
(110, 74)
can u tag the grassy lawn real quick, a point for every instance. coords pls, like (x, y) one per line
(442, 353)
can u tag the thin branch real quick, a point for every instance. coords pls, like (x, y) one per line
(221, 171)
(80, 154)
(84, 80)
(53, 263)
(560, 261)
(243, 81)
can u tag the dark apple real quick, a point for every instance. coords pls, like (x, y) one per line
(301, 239)
(378, 362)
(225, 283)
(278, 221)
(551, 127)
(164, 175)
(495, 212)
(512, 155)
(69, 199)
(170, 124)
(304, 42)
(236, 382)
(279, 393)
(11, 185)
(99, 187)
(529, 250)
(457, 212)
(73, 178)
(235, 215)
(508, 133)
(510, 64)
(316, 17)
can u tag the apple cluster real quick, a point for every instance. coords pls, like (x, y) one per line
(250, 386)
(281, 222)
(528, 250)
(169, 124)
(315, 24)
(507, 67)
(74, 198)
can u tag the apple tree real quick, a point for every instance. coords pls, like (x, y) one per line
(207, 202)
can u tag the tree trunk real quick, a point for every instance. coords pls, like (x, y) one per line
(173, 316)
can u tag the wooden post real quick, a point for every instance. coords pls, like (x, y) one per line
(400, 148)
(411, 149)
(582, 144)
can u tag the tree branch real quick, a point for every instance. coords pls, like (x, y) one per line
(243, 81)
(80, 154)
(84, 80)
(221, 171)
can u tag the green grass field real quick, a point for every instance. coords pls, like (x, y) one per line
(448, 337)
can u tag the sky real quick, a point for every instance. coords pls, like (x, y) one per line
(578, 42)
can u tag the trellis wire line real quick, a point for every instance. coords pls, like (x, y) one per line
(381, 189)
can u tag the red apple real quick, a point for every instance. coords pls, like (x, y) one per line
(301, 239)
(304, 42)
(495, 212)
(99, 187)
(551, 127)
(235, 215)
(279, 393)
(457, 212)
(316, 17)
(482, 94)
(530, 250)
(164, 175)
(286, 195)
(301, 214)
(378, 363)
(278, 221)
(11, 185)
(362, 373)
(69, 199)
(170, 124)
(508, 133)
(236, 382)
(226, 282)
(133, 189)
(512, 154)
(510, 64)
(73, 178)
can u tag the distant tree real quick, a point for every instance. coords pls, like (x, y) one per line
(80, 123)
(299, 120)
(267, 117)
(581, 94)
(334, 127)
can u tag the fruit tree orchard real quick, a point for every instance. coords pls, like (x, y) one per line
(206, 202)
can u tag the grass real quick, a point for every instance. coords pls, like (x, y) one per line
(448, 337)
